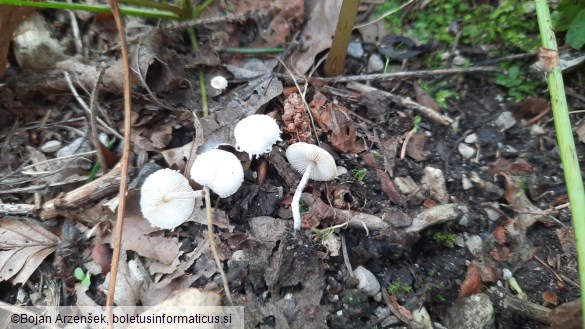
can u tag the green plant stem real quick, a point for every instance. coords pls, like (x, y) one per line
(200, 8)
(253, 51)
(105, 9)
(202, 86)
(565, 140)
(152, 4)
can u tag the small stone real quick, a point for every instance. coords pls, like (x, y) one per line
(505, 120)
(459, 60)
(378, 297)
(375, 63)
(465, 182)
(470, 139)
(50, 146)
(536, 131)
(476, 311)
(355, 49)
(466, 151)
(434, 182)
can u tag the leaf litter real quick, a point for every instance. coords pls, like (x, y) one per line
(377, 220)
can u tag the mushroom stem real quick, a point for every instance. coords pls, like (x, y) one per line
(297, 197)
(184, 195)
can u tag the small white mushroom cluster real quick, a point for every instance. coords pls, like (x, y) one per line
(167, 200)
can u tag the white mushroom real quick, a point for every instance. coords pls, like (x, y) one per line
(218, 170)
(219, 82)
(314, 163)
(167, 199)
(256, 134)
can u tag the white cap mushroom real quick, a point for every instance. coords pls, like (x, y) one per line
(256, 133)
(219, 82)
(314, 163)
(219, 170)
(166, 199)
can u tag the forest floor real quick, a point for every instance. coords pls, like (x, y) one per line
(450, 189)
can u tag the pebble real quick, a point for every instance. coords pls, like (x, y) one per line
(466, 151)
(476, 311)
(355, 49)
(465, 182)
(459, 60)
(505, 120)
(473, 243)
(470, 139)
(51, 146)
(375, 64)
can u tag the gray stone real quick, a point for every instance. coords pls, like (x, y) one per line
(375, 64)
(355, 49)
(473, 312)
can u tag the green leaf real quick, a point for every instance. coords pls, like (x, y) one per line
(78, 273)
(86, 282)
(576, 33)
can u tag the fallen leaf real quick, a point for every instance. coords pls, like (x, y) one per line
(416, 147)
(10, 18)
(424, 99)
(532, 106)
(389, 188)
(472, 283)
(503, 166)
(289, 18)
(336, 119)
(102, 256)
(23, 247)
(549, 58)
(317, 34)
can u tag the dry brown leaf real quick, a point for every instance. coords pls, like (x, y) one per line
(317, 34)
(10, 18)
(336, 119)
(23, 247)
(532, 106)
(472, 283)
(549, 58)
(518, 167)
(424, 99)
(416, 147)
(291, 16)
(389, 188)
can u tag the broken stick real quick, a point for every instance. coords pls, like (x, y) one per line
(405, 102)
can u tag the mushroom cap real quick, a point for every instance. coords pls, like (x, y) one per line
(161, 212)
(219, 170)
(219, 82)
(300, 155)
(256, 133)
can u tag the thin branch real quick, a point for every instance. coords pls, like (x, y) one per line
(125, 163)
(93, 121)
(406, 102)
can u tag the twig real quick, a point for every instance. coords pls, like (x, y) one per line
(75, 31)
(93, 121)
(86, 108)
(406, 102)
(17, 209)
(56, 159)
(386, 14)
(125, 163)
(405, 144)
(93, 191)
(410, 74)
